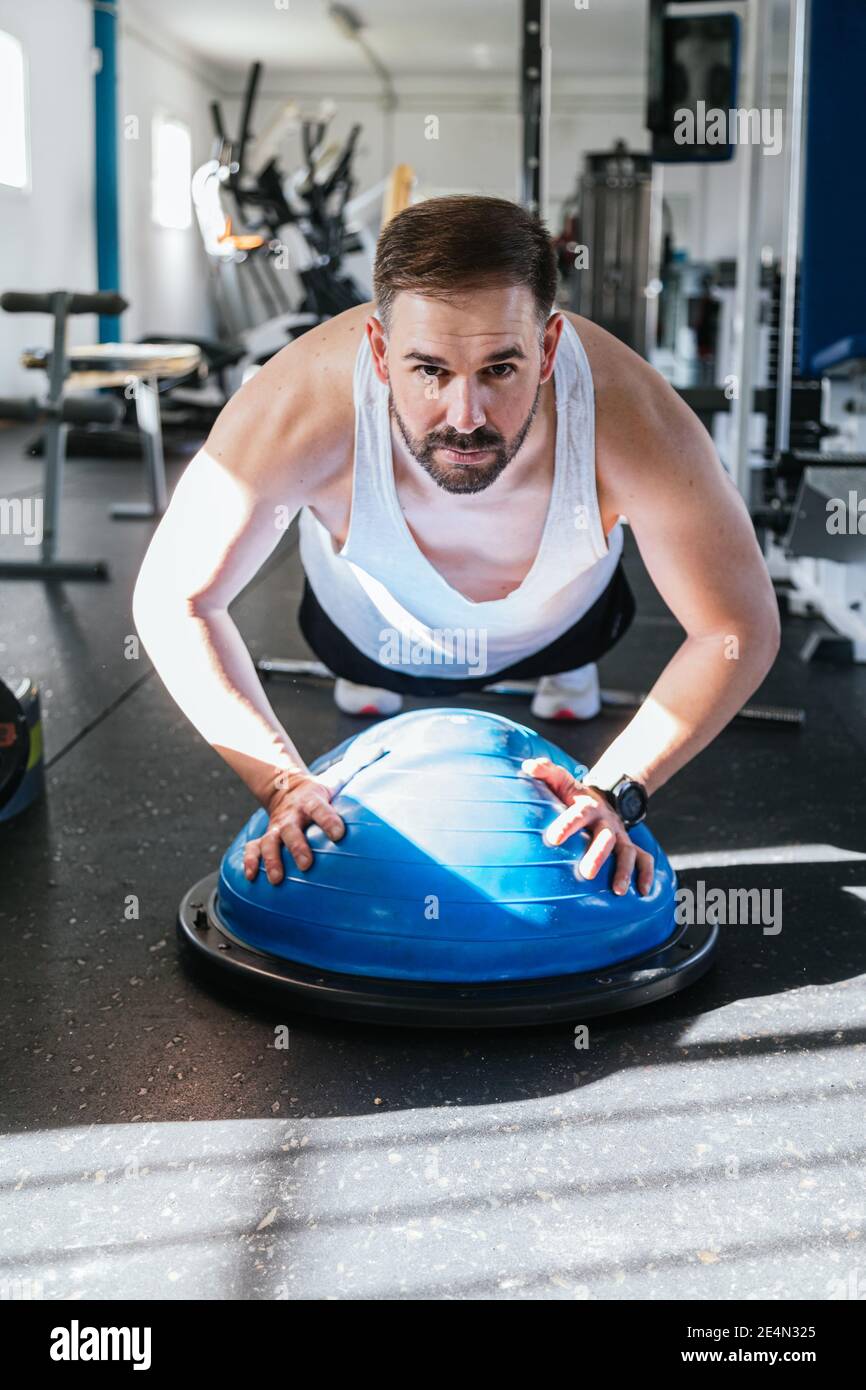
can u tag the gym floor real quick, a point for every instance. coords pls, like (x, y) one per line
(157, 1144)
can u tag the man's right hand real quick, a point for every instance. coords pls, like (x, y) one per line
(305, 801)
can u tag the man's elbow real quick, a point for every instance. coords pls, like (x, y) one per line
(148, 606)
(154, 602)
(775, 634)
(761, 640)
(158, 600)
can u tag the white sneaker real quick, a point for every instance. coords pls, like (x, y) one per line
(568, 695)
(365, 699)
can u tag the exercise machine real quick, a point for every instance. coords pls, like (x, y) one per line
(611, 243)
(821, 330)
(278, 223)
(808, 502)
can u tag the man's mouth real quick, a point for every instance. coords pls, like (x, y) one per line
(464, 455)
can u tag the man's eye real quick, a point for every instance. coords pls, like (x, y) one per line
(501, 370)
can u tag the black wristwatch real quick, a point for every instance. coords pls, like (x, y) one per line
(628, 798)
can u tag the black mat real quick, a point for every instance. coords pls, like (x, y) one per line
(159, 1140)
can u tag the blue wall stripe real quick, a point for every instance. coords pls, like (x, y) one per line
(107, 216)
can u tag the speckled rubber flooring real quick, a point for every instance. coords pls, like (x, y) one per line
(158, 1143)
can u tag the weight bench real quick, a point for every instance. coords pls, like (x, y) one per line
(138, 367)
(58, 412)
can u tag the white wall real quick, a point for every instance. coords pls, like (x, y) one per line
(164, 271)
(47, 238)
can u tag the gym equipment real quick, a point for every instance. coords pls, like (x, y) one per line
(822, 328)
(815, 324)
(22, 766)
(274, 252)
(820, 491)
(614, 699)
(243, 271)
(441, 905)
(816, 329)
(788, 716)
(58, 412)
(304, 217)
(138, 368)
(192, 384)
(616, 215)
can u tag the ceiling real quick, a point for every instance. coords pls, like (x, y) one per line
(451, 37)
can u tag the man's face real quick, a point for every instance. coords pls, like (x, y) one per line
(464, 379)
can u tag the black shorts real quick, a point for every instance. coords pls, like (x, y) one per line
(594, 633)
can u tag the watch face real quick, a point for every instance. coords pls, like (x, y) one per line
(631, 804)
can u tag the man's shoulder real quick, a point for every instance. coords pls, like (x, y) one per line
(320, 364)
(640, 420)
(297, 412)
(613, 364)
(630, 393)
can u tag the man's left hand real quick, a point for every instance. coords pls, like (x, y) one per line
(586, 809)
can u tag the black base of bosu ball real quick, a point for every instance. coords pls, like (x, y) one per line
(442, 905)
(681, 961)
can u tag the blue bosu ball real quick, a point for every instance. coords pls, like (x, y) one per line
(442, 874)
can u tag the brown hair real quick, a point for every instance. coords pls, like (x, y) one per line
(463, 242)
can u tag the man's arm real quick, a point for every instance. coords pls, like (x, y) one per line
(657, 466)
(272, 446)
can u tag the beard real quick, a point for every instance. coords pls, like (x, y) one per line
(463, 477)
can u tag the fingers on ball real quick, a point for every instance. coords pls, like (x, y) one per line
(598, 852)
(329, 821)
(626, 855)
(566, 823)
(645, 871)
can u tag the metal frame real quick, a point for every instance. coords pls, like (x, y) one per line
(749, 253)
(149, 421)
(535, 105)
(55, 430)
(793, 209)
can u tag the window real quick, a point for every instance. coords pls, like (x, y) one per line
(14, 161)
(172, 173)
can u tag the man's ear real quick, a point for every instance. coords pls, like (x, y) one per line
(552, 335)
(378, 347)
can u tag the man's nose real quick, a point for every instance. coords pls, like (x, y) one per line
(465, 411)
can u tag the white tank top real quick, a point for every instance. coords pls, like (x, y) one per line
(396, 608)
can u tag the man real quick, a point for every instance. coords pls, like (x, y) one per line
(461, 457)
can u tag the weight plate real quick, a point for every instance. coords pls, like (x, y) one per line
(14, 744)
